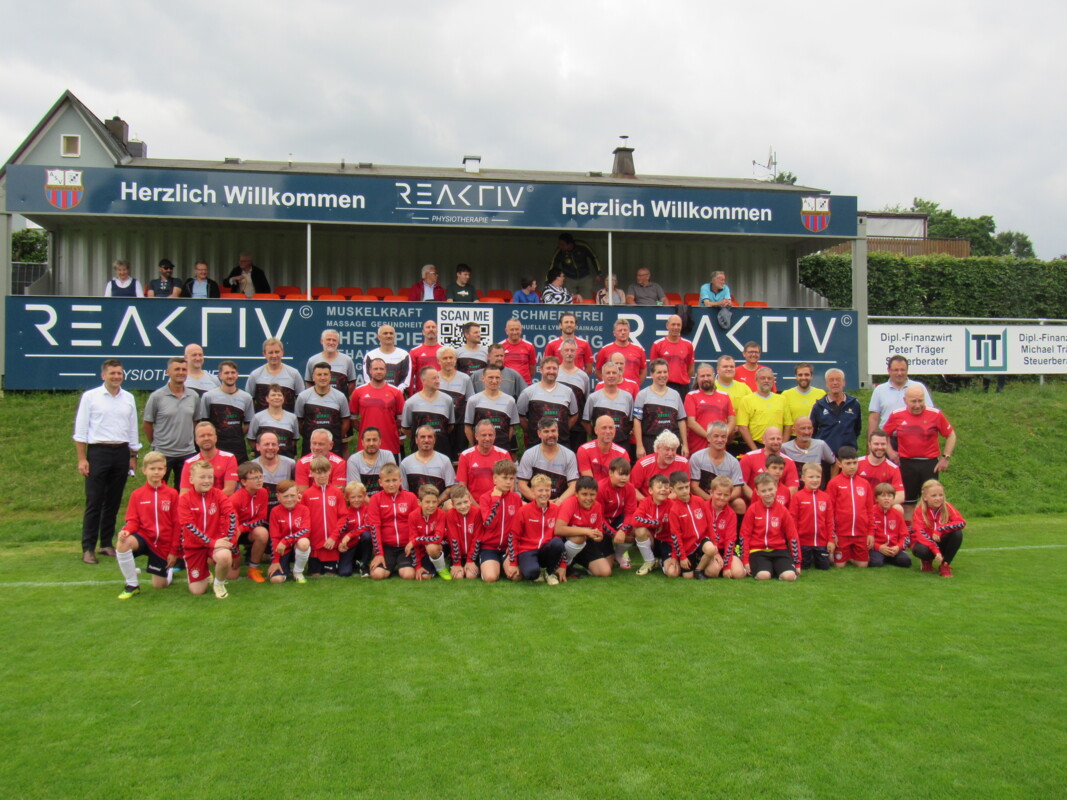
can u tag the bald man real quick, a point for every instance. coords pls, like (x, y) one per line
(679, 355)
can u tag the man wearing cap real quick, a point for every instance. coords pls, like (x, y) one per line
(166, 285)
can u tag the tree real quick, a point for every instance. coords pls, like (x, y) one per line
(1015, 244)
(29, 245)
(784, 177)
(942, 223)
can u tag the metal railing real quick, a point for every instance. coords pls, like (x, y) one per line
(26, 273)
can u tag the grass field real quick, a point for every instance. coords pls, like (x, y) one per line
(881, 683)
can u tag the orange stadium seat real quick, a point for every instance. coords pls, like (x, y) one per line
(380, 291)
(395, 298)
(673, 298)
(503, 294)
(331, 297)
(266, 296)
(317, 291)
(692, 299)
(296, 296)
(493, 300)
(480, 293)
(287, 290)
(349, 291)
(756, 304)
(363, 298)
(231, 296)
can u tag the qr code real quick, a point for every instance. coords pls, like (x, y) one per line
(450, 322)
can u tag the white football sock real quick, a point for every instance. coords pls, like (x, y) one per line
(301, 559)
(128, 567)
(645, 549)
(571, 549)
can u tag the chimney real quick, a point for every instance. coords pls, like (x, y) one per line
(472, 164)
(624, 161)
(137, 149)
(119, 129)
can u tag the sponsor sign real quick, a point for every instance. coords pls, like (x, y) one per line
(376, 200)
(60, 342)
(966, 349)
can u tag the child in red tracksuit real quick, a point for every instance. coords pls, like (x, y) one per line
(588, 539)
(890, 532)
(428, 535)
(150, 529)
(390, 511)
(722, 526)
(208, 528)
(650, 522)
(355, 546)
(769, 545)
(533, 547)
(852, 500)
(498, 509)
(328, 513)
(691, 539)
(618, 498)
(251, 504)
(813, 514)
(290, 535)
(937, 529)
(463, 523)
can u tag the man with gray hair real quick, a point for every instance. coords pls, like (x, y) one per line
(837, 418)
(428, 288)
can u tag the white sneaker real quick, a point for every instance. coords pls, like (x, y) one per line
(220, 590)
(647, 567)
(552, 579)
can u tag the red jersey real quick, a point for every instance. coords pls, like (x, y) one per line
(722, 524)
(852, 500)
(754, 463)
(498, 516)
(287, 526)
(652, 516)
(379, 408)
(646, 467)
(463, 532)
(925, 525)
(593, 461)
(338, 470)
(748, 377)
(388, 516)
(326, 504)
(618, 503)
(252, 509)
(634, 354)
(476, 470)
(813, 515)
(206, 518)
(886, 472)
(705, 408)
(888, 527)
(582, 358)
(571, 513)
(521, 356)
(153, 515)
(769, 528)
(689, 525)
(532, 529)
(917, 433)
(425, 355)
(224, 464)
(678, 355)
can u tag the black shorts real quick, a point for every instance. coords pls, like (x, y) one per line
(285, 561)
(773, 561)
(816, 557)
(157, 565)
(914, 472)
(490, 555)
(395, 559)
(317, 566)
(661, 550)
(594, 551)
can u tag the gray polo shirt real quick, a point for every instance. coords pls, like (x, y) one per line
(650, 295)
(172, 418)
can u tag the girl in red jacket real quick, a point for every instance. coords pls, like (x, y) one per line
(937, 530)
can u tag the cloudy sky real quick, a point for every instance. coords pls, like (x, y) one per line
(958, 102)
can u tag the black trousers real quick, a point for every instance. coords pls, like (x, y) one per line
(531, 562)
(949, 545)
(108, 469)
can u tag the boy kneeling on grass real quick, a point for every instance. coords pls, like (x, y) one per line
(890, 532)
(588, 539)
(692, 548)
(290, 535)
(390, 512)
(722, 525)
(769, 546)
(813, 515)
(251, 504)
(464, 525)
(650, 524)
(208, 531)
(150, 529)
(533, 545)
(428, 532)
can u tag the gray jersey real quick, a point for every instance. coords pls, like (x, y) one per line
(537, 403)
(620, 408)
(229, 413)
(578, 381)
(460, 389)
(511, 382)
(659, 413)
(818, 451)
(204, 384)
(499, 411)
(561, 470)
(438, 413)
(287, 429)
(284, 471)
(342, 369)
(327, 411)
(436, 472)
(470, 361)
(702, 470)
(357, 469)
(259, 380)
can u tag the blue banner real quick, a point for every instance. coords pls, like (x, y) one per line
(379, 200)
(60, 342)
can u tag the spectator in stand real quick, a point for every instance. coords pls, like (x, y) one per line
(246, 278)
(612, 297)
(645, 292)
(123, 284)
(200, 286)
(428, 288)
(715, 293)
(746, 373)
(166, 285)
(462, 290)
(519, 354)
(837, 417)
(577, 262)
(528, 292)
(889, 397)
(556, 293)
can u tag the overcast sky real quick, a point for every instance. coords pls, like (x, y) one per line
(958, 102)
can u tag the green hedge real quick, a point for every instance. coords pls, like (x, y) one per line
(944, 286)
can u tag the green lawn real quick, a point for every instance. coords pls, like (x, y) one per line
(878, 683)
